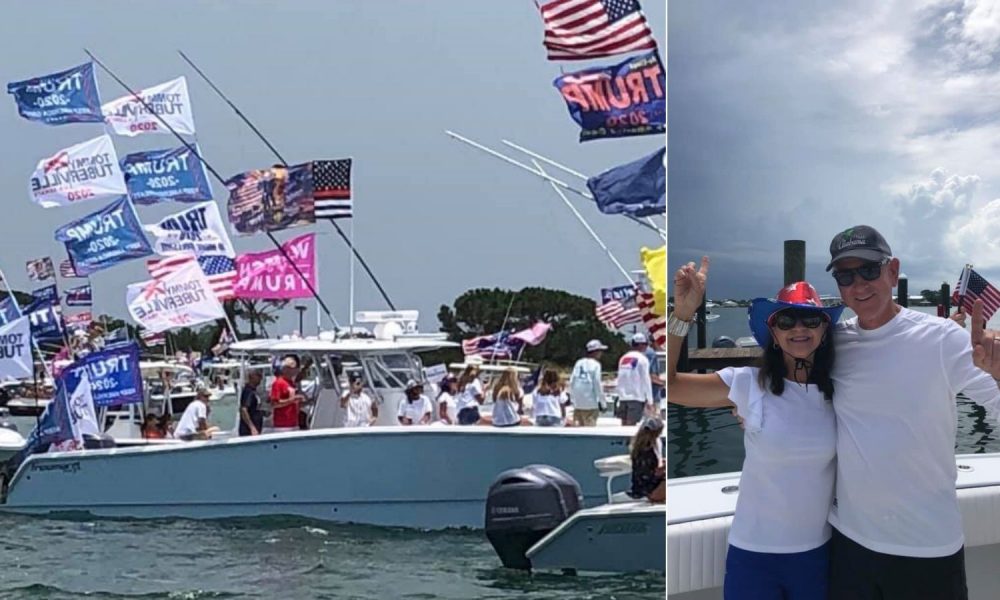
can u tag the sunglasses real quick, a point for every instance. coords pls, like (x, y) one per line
(786, 320)
(869, 272)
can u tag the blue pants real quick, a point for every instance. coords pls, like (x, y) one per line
(767, 576)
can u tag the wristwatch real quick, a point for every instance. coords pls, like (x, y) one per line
(678, 327)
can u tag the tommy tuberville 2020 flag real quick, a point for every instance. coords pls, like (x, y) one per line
(69, 96)
(182, 298)
(86, 171)
(638, 188)
(129, 116)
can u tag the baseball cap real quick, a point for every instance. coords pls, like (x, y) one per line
(638, 339)
(413, 384)
(860, 241)
(595, 345)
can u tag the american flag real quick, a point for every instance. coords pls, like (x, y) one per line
(152, 338)
(656, 324)
(972, 286)
(221, 271)
(614, 314)
(582, 29)
(67, 270)
(497, 346)
(332, 188)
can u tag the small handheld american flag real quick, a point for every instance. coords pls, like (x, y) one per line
(971, 287)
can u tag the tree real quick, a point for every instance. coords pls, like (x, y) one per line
(932, 297)
(258, 313)
(482, 312)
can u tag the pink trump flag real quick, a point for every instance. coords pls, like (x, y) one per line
(268, 276)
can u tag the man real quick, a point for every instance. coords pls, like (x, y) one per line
(251, 416)
(897, 527)
(359, 408)
(585, 392)
(416, 410)
(656, 376)
(194, 422)
(635, 388)
(284, 398)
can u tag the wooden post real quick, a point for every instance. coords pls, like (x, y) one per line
(702, 324)
(682, 360)
(903, 291)
(795, 261)
(946, 298)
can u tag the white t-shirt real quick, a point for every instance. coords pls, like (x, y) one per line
(633, 377)
(189, 420)
(358, 412)
(896, 426)
(467, 397)
(449, 402)
(548, 405)
(585, 384)
(786, 488)
(415, 410)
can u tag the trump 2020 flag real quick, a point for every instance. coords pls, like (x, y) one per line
(114, 375)
(268, 275)
(46, 295)
(104, 238)
(638, 188)
(79, 296)
(9, 310)
(68, 96)
(271, 199)
(198, 230)
(46, 322)
(169, 101)
(15, 349)
(53, 427)
(180, 299)
(86, 171)
(622, 100)
(160, 175)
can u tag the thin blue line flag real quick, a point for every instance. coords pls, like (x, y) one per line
(638, 188)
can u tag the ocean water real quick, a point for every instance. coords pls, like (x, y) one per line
(270, 557)
(704, 442)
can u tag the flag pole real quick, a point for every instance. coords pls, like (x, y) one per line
(350, 304)
(963, 285)
(34, 342)
(590, 230)
(245, 119)
(191, 148)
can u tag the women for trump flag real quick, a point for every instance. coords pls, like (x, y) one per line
(269, 276)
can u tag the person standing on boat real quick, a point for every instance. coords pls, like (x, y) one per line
(779, 541)
(897, 525)
(251, 416)
(470, 396)
(359, 408)
(446, 400)
(635, 387)
(508, 401)
(416, 410)
(585, 391)
(284, 398)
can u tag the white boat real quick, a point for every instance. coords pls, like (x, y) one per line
(701, 511)
(424, 476)
(221, 377)
(11, 440)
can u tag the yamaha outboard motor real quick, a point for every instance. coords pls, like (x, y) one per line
(524, 505)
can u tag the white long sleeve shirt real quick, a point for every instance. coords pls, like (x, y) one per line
(585, 385)
(633, 377)
(894, 397)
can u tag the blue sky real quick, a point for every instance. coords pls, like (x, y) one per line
(379, 81)
(796, 120)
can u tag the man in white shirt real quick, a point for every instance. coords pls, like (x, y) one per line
(585, 392)
(635, 388)
(897, 526)
(194, 422)
(359, 408)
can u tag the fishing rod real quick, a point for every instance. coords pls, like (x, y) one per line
(277, 154)
(218, 177)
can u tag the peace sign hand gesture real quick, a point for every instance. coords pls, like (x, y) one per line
(689, 289)
(985, 343)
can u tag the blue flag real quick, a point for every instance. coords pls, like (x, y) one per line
(54, 426)
(104, 238)
(638, 188)
(160, 175)
(622, 100)
(9, 310)
(79, 296)
(66, 97)
(46, 322)
(114, 375)
(45, 296)
(622, 293)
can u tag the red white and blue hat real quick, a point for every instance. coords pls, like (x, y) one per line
(798, 295)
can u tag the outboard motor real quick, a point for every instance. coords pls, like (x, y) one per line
(96, 442)
(524, 505)
(723, 341)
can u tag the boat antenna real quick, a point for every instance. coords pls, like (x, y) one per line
(191, 148)
(270, 146)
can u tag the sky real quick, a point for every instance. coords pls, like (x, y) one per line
(798, 119)
(376, 81)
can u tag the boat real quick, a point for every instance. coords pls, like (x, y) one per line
(221, 377)
(701, 512)
(382, 475)
(11, 440)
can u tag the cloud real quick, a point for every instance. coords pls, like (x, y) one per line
(929, 214)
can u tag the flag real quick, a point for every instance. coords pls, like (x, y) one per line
(655, 324)
(332, 188)
(179, 297)
(220, 271)
(53, 426)
(271, 199)
(972, 286)
(638, 188)
(655, 263)
(270, 276)
(614, 314)
(67, 270)
(69, 96)
(9, 310)
(129, 116)
(80, 320)
(197, 230)
(15, 350)
(104, 238)
(533, 335)
(159, 175)
(497, 346)
(47, 296)
(153, 338)
(80, 296)
(85, 171)
(40, 269)
(582, 29)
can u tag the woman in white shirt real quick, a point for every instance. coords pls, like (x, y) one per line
(779, 540)
(470, 396)
(446, 399)
(549, 400)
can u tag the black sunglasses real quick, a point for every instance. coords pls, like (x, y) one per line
(786, 320)
(869, 271)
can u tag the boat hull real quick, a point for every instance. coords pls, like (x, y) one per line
(425, 477)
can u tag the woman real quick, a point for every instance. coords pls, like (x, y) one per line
(778, 544)
(648, 471)
(549, 400)
(470, 396)
(446, 399)
(507, 401)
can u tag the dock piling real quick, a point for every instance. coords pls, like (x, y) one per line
(795, 261)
